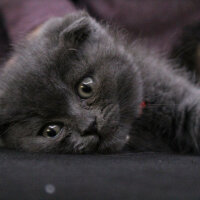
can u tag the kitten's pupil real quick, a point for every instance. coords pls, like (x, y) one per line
(86, 88)
(51, 130)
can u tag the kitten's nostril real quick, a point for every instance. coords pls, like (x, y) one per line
(92, 128)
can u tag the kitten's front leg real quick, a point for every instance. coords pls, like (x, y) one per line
(187, 129)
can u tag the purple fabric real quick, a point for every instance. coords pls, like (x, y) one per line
(23, 15)
(158, 23)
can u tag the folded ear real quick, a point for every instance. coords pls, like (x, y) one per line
(76, 33)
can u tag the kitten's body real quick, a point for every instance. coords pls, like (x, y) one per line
(39, 85)
(170, 120)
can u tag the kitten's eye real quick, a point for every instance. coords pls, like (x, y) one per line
(85, 88)
(52, 130)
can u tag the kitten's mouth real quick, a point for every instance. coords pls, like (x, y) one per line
(106, 140)
(113, 142)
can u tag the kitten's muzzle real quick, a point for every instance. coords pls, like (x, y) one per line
(92, 129)
(103, 124)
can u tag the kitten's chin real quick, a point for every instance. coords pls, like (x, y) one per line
(113, 144)
(86, 144)
(96, 144)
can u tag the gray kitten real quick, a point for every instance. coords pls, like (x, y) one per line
(74, 86)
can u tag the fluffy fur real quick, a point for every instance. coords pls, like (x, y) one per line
(186, 52)
(39, 86)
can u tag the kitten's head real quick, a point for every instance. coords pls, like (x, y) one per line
(70, 87)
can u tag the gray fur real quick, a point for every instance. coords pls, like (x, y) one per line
(40, 86)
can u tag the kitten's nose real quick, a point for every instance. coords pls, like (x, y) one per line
(92, 128)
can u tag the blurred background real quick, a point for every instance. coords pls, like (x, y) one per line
(158, 23)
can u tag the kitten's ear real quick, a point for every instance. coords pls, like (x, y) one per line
(76, 33)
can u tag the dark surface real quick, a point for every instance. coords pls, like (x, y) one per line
(121, 176)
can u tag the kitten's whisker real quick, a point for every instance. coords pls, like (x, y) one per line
(72, 49)
(162, 104)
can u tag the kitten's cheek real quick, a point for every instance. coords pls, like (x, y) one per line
(115, 142)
